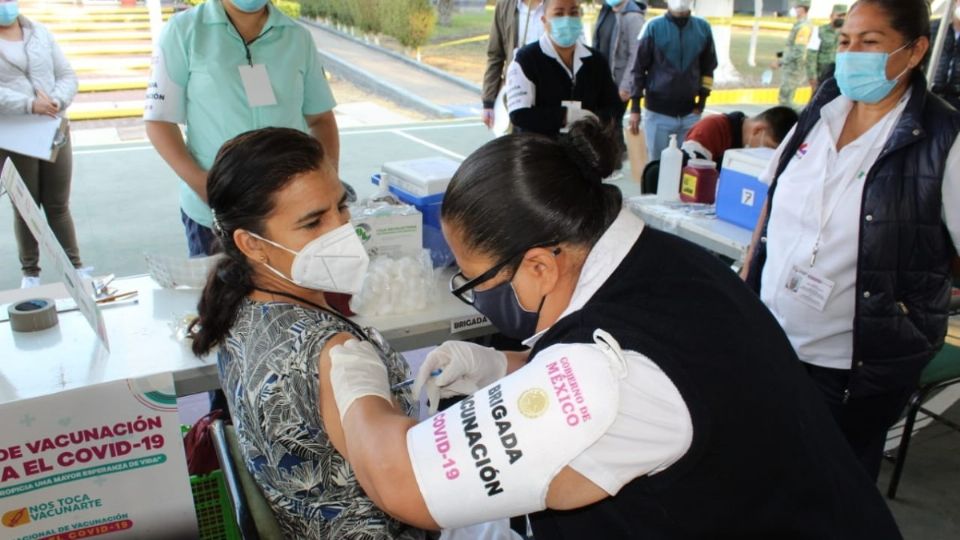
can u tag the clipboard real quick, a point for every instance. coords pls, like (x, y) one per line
(33, 135)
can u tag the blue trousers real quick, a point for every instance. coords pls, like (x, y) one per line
(200, 240)
(658, 128)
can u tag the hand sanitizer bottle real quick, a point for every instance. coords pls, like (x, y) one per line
(668, 182)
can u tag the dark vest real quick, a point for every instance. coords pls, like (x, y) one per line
(903, 267)
(766, 460)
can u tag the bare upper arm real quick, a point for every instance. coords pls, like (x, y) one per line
(160, 127)
(755, 240)
(329, 413)
(314, 120)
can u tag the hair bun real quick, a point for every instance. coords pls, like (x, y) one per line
(597, 148)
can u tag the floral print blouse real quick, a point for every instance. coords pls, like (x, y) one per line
(269, 371)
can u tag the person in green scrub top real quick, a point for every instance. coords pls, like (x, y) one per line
(223, 68)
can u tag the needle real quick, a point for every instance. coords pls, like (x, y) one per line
(409, 382)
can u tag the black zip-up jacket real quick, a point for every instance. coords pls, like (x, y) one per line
(537, 84)
(675, 64)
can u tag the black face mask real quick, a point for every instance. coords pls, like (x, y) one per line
(501, 305)
(837, 23)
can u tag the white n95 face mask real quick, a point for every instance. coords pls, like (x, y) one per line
(335, 262)
(679, 5)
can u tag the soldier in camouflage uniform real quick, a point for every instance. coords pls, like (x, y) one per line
(793, 59)
(822, 51)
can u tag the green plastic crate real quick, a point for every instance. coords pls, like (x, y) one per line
(212, 504)
(214, 514)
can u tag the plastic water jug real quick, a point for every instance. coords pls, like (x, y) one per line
(668, 182)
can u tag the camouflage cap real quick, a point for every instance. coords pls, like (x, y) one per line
(802, 3)
(839, 9)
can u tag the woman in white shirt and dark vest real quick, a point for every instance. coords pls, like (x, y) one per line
(558, 80)
(660, 399)
(854, 259)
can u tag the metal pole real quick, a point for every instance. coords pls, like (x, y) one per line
(945, 22)
(757, 13)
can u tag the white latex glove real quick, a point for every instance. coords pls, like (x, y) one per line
(356, 370)
(466, 367)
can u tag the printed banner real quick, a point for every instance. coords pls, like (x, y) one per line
(11, 180)
(101, 461)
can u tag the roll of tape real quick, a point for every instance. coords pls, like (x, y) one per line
(32, 315)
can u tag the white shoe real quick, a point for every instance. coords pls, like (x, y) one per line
(29, 282)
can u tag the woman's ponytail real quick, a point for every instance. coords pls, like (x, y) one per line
(229, 283)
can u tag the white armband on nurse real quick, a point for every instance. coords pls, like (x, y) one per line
(494, 454)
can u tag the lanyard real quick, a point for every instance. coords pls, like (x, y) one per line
(368, 334)
(246, 45)
(824, 218)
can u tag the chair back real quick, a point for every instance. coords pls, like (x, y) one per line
(651, 174)
(251, 510)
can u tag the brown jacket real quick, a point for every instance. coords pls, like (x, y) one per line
(500, 47)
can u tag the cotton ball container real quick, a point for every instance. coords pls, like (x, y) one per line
(394, 286)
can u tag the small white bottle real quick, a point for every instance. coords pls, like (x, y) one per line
(671, 163)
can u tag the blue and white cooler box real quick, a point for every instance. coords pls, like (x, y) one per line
(740, 193)
(422, 183)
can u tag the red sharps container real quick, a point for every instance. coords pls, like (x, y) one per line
(699, 183)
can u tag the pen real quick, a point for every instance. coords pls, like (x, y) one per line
(117, 297)
(409, 382)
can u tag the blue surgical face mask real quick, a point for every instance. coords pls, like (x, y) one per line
(565, 31)
(249, 6)
(501, 305)
(613, 3)
(862, 76)
(9, 11)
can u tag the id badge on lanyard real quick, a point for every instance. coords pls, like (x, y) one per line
(255, 77)
(809, 287)
(256, 85)
(807, 284)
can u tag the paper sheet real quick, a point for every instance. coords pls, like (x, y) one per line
(29, 134)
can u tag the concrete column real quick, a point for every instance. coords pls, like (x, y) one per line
(755, 34)
(156, 20)
(725, 73)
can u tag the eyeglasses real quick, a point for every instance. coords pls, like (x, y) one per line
(462, 288)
